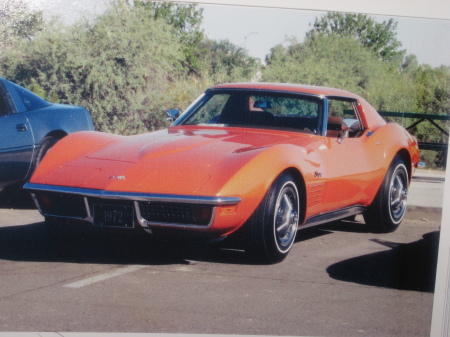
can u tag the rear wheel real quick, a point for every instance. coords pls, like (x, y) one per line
(389, 206)
(273, 226)
(46, 144)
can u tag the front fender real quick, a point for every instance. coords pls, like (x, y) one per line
(69, 148)
(252, 180)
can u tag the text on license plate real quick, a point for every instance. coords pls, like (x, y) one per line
(113, 215)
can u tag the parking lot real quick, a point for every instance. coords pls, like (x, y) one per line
(338, 280)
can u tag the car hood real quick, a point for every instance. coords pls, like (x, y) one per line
(204, 146)
(178, 160)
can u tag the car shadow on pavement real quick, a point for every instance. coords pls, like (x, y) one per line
(351, 225)
(410, 266)
(32, 243)
(17, 198)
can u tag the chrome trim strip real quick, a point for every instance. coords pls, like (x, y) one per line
(89, 216)
(36, 202)
(141, 221)
(328, 217)
(188, 199)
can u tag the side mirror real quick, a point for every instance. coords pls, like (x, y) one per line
(173, 114)
(349, 125)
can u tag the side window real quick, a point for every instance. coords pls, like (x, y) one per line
(338, 111)
(210, 111)
(3, 106)
(29, 99)
(285, 106)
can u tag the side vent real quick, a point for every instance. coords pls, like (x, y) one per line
(315, 195)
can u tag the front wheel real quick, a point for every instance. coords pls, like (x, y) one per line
(389, 206)
(273, 226)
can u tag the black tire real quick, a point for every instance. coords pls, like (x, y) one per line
(46, 144)
(389, 206)
(273, 226)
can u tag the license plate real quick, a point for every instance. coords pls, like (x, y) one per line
(113, 215)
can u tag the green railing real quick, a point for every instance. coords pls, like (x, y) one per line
(422, 118)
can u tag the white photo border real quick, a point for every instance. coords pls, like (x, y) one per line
(431, 9)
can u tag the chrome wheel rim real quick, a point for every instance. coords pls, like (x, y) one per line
(286, 217)
(398, 193)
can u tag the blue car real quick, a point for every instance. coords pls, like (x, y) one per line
(29, 127)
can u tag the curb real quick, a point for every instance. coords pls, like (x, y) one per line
(423, 209)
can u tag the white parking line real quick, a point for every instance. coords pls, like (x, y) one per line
(105, 276)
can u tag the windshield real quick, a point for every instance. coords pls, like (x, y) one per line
(255, 109)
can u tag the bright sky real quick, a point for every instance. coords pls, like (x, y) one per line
(258, 29)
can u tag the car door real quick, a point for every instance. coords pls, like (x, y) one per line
(16, 143)
(349, 170)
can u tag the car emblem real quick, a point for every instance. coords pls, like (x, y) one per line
(117, 177)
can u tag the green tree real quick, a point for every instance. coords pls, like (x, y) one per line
(342, 62)
(432, 89)
(432, 96)
(186, 19)
(410, 64)
(18, 21)
(380, 38)
(223, 61)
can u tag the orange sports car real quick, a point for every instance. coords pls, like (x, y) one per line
(263, 159)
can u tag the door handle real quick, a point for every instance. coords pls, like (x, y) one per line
(21, 127)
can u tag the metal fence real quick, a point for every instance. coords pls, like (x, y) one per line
(421, 118)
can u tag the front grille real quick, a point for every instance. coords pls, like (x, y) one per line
(61, 204)
(176, 213)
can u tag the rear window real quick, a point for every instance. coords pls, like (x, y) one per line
(30, 100)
